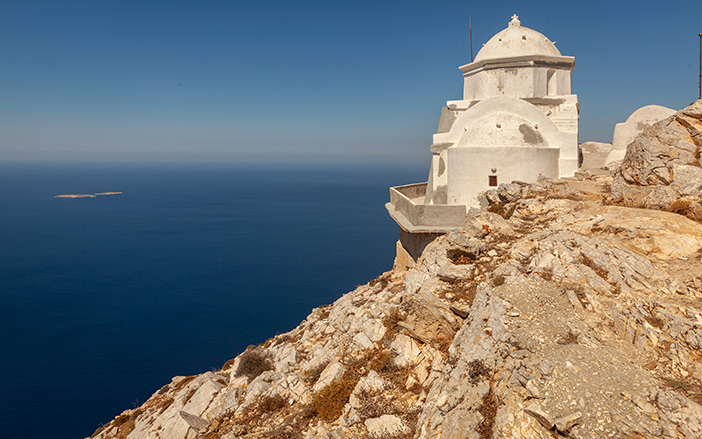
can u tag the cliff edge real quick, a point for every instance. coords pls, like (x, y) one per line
(554, 313)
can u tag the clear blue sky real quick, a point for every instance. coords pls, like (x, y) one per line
(303, 81)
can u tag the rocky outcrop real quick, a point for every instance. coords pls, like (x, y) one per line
(552, 314)
(626, 132)
(662, 169)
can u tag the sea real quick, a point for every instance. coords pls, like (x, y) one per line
(105, 299)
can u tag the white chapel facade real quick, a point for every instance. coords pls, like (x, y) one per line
(518, 120)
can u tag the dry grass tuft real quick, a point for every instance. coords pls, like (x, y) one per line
(477, 371)
(488, 411)
(463, 290)
(124, 423)
(312, 375)
(182, 383)
(228, 364)
(329, 402)
(382, 362)
(380, 282)
(391, 321)
(502, 208)
(588, 262)
(252, 363)
(680, 206)
(690, 388)
(655, 322)
(272, 404)
(324, 311)
(374, 405)
(546, 274)
(462, 260)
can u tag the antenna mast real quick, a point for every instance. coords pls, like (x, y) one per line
(699, 87)
(470, 31)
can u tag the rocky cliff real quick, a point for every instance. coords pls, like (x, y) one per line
(554, 313)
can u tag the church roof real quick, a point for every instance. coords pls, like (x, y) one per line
(517, 40)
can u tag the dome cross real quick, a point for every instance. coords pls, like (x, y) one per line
(515, 21)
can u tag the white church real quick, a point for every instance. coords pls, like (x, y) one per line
(518, 120)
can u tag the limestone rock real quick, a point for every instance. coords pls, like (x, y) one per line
(196, 422)
(534, 409)
(330, 373)
(406, 350)
(662, 165)
(565, 423)
(462, 245)
(626, 132)
(386, 425)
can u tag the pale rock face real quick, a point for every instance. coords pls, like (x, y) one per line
(386, 425)
(285, 358)
(331, 373)
(662, 165)
(626, 132)
(406, 350)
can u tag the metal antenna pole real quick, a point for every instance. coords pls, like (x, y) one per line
(699, 87)
(470, 31)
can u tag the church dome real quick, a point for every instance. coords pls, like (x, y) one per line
(517, 40)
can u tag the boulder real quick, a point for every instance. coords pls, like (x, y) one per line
(626, 132)
(386, 425)
(661, 169)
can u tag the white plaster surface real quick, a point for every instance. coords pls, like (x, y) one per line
(517, 40)
(517, 121)
(505, 105)
(509, 163)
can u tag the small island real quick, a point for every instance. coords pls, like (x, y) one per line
(75, 196)
(87, 195)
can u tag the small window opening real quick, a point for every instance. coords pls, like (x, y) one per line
(492, 180)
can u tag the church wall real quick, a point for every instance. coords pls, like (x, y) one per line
(541, 81)
(415, 243)
(551, 82)
(517, 82)
(469, 169)
(436, 184)
(517, 121)
(563, 79)
(446, 120)
(431, 180)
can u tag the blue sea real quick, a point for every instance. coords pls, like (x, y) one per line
(104, 299)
